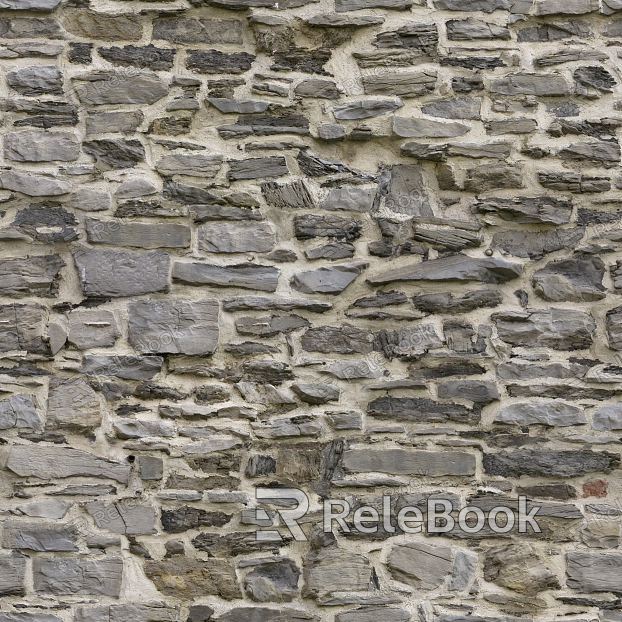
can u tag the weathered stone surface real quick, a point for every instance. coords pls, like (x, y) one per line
(124, 518)
(259, 303)
(365, 109)
(459, 108)
(236, 237)
(254, 168)
(137, 234)
(344, 340)
(350, 199)
(518, 568)
(265, 614)
(50, 462)
(531, 84)
(189, 578)
(72, 405)
(602, 152)
(315, 87)
(121, 273)
(408, 462)
(196, 164)
(537, 244)
(403, 84)
(453, 268)
(115, 153)
(273, 582)
(331, 569)
(71, 575)
(420, 565)
(547, 210)
(593, 572)
(419, 409)
(128, 367)
(13, 575)
(103, 26)
(120, 87)
(424, 128)
(470, 29)
(191, 30)
(446, 303)
(578, 279)
(33, 185)
(493, 177)
(214, 61)
(328, 279)
(23, 328)
(36, 80)
(173, 327)
(41, 146)
(553, 413)
(614, 328)
(92, 328)
(478, 391)
(155, 611)
(487, 6)
(549, 463)
(38, 536)
(19, 412)
(560, 329)
(245, 276)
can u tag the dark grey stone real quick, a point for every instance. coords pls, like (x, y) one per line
(72, 405)
(578, 279)
(50, 462)
(420, 410)
(343, 340)
(531, 84)
(23, 328)
(36, 80)
(408, 462)
(255, 168)
(137, 234)
(245, 276)
(115, 152)
(19, 412)
(39, 536)
(547, 210)
(71, 575)
(549, 413)
(128, 366)
(458, 108)
(118, 273)
(473, 29)
(173, 326)
(537, 244)
(549, 463)
(560, 329)
(214, 61)
(447, 303)
(453, 268)
(13, 579)
(327, 279)
(365, 109)
(402, 84)
(192, 30)
(273, 582)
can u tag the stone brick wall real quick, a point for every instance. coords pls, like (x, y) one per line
(368, 249)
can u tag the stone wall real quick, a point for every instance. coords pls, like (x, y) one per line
(367, 249)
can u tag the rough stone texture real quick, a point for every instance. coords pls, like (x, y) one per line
(360, 248)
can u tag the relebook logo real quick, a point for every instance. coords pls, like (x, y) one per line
(439, 516)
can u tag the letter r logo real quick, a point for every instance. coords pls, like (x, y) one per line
(288, 516)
